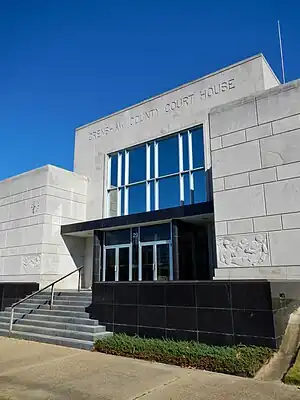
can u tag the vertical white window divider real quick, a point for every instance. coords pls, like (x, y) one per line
(126, 181)
(148, 184)
(156, 186)
(108, 187)
(119, 183)
(181, 177)
(190, 145)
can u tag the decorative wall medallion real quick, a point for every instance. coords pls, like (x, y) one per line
(243, 252)
(31, 262)
(35, 207)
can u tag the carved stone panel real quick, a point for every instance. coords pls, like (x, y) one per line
(243, 251)
(31, 263)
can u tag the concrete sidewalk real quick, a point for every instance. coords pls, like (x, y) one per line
(30, 371)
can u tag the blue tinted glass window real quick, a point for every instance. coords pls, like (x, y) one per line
(137, 198)
(185, 148)
(152, 197)
(186, 186)
(200, 186)
(137, 164)
(114, 171)
(152, 160)
(155, 232)
(169, 193)
(123, 168)
(121, 236)
(198, 148)
(168, 158)
(122, 201)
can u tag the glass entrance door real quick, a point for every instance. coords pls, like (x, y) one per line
(117, 262)
(155, 261)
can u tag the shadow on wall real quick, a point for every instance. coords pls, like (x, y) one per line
(81, 253)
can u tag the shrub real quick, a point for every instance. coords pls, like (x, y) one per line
(292, 377)
(235, 360)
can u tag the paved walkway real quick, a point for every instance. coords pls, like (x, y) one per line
(30, 371)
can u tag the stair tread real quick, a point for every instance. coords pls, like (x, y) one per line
(28, 309)
(51, 322)
(53, 338)
(64, 331)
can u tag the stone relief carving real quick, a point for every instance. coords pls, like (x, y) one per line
(31, 262)
(35, 207)
(242, 252)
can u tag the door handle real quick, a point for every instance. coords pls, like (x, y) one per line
(116, 268)
(153, 267)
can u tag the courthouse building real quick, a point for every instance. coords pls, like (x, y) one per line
(198, 184)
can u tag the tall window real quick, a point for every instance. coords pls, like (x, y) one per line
(160, 174)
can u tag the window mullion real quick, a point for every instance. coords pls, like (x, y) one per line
(126, 180)
(156, 187)
(119, 181)
(148, 185)
(108, 186)
(181, 181)
(191, 176)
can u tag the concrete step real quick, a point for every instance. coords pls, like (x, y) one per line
(59, 302)
(5, 316)
(47, 307)
(47, 311)
(4, 322)
(61, 341)
(66, 293)
(41, 330)
(65, 298)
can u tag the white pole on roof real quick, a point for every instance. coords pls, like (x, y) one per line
(281, 52)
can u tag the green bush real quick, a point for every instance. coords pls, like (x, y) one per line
(235, 360)
(292, 377)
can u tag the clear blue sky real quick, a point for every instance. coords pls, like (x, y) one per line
(68, 62)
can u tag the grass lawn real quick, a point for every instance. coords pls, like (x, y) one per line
(293, 375)
(233, 360)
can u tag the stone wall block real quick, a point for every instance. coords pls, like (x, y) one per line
(266, 224)
(234, 138)
(286, 124)
(259, 131)
(216, 143)
(281, 149)
(291, 221)
(233, 118)
(279, 103)
(236, 159)
(239, 203)
(235, 181)
(283, 196)
(263, 176)
(240, 226)
(288, 171)
(218, 184)
(221, 228)
(284, 247)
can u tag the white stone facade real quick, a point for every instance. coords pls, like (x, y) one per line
(256, 181)
(252, 149)
(33, 206)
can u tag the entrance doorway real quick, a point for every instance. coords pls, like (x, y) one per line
(155, 261)
(118, 263)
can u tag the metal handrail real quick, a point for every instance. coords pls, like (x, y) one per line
(41, 290)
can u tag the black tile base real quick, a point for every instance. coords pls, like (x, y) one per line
(11, 292)
(212, 312)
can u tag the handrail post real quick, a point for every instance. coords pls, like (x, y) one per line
(52, 297)
(11, 319)
(79, 280)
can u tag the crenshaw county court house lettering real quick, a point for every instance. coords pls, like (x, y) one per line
(184, 101)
